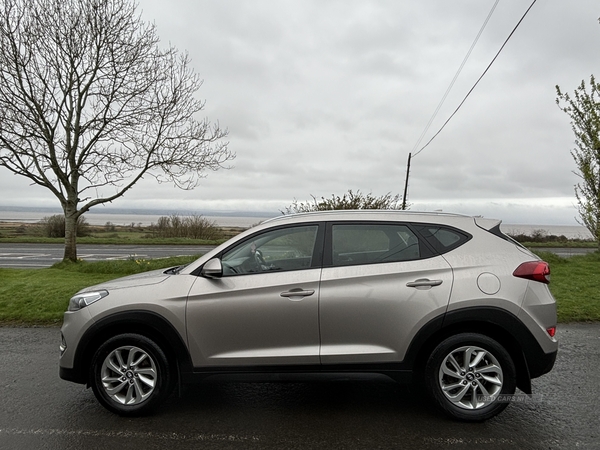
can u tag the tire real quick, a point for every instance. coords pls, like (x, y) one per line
(130, 375)
(469, 376)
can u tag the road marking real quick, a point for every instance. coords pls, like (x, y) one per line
(494, 442)
(468, 441)
(104, 255)
(24, 255)
(130, 434)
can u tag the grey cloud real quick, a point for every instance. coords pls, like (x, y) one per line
(322, 97)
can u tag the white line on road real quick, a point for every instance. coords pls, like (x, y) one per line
(130, 434)
(24, 255)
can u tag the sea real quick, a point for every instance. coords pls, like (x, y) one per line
(142, 217)
(238, 219)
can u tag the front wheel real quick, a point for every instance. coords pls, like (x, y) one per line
(469, 376)
(130, 375)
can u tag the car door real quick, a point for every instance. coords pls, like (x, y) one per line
(380, 284)
(264, 308)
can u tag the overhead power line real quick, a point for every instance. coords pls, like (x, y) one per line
(404, 199)
(464, 61)
(478, 80)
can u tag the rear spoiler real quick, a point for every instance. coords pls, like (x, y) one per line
(487, 224)
(493, 226)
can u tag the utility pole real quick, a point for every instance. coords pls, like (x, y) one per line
(406, 184)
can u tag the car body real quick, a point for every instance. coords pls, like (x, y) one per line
(443, 298)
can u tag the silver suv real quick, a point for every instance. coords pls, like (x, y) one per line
(441, 298)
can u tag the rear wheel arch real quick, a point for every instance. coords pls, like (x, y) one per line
(495, 323)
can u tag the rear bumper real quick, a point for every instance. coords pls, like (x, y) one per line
(541, 364)
(71, 375)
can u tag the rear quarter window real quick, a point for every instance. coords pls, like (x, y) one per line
(443, 238)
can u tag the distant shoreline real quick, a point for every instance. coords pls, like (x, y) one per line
(139, 218)
(236, 219)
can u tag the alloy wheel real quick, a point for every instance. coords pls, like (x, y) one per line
(470, 377)
(129, 375)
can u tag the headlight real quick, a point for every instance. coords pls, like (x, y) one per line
(80, 301)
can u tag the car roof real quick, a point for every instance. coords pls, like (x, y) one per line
(371, 214)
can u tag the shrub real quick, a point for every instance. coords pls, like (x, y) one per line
(54, 226)
(350, 200)
(542, 236)
(191, 227)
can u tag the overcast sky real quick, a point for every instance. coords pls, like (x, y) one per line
(324, 96)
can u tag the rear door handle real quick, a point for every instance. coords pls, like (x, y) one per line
(297, 293)
(424, 283)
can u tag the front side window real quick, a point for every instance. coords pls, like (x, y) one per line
(276, 250)
(373, 243)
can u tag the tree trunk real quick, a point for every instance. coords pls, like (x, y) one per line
(70, 234)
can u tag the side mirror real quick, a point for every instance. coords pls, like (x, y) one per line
(212, 269)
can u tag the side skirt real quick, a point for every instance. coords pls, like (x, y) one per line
(271, 374)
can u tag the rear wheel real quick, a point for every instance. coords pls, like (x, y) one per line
(130, 374)
(469, 376)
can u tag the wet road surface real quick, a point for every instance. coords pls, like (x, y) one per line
(39, 410)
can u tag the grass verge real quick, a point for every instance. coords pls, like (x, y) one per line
(39, 297)
(575, 283)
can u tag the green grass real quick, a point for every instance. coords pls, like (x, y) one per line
(39, 297)
(575, 283)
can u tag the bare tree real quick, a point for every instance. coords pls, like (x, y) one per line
(90, 103)
(583, 107)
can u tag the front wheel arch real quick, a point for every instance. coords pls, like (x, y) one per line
(145, 323)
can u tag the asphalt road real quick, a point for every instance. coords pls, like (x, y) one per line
(39, 410)
(566, 252)
(34, 256)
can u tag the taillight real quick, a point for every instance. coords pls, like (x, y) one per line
(534, 270)
(551, 331)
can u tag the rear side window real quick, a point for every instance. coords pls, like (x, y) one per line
(354, 244)
(443, 239)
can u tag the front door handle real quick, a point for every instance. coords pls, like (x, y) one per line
(297, 293)
(424, 283)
